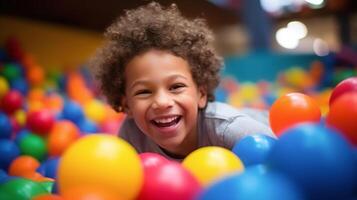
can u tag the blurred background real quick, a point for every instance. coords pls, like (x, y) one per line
(300, 44)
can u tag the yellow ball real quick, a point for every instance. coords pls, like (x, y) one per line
(101, 160)
(95, 110)
(20, 117)
(211, 163)
(4, 86)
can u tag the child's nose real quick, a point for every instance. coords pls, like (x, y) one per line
(162, 100)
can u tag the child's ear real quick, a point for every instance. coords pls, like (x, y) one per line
(202, 101)
(125, 106)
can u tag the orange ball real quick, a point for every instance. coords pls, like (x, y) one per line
(23, 164)
(47, 197)
(90, 193)
(63, 134)
(291, 109)
(35, 75)
(343, 115)
(35, 176)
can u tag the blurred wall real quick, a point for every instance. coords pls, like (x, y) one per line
(51, 45)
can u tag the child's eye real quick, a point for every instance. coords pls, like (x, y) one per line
(142, 92)
(177, 87)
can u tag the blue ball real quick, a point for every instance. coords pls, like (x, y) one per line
(8, 151)
(318, 159)
(252, 184)
(3, 175)
(49, 168)
(221, 94)
(21, 134)
(253, 149)
(20, 84)
(72, 111)
(87, 126)
(5, 126)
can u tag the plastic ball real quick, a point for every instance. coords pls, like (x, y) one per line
(111, 126)
(252, 185)
(318, 159)
(3, 176)
(170, 181)
(61, 136)
(72, 111)
(343, 116)
(347, 85)
(8, 151)
(20, 117)
(4, 86)
(291, 109)
(20, 85)
(35, 75)
(89, 193)
(12, 101)
(48, 197)
(5, 126)
(149, 160)
(33, 145)
(253, 149)
(49, 167)
(95, 110)
(211, 163)
(20, 188)
(11, 71)
(87, 126)
(40, 121)
(23, 164)
(103, 160)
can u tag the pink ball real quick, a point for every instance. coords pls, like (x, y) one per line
(150, 160)
(12, 101)
(110, 126)
(40, 121)
(347, 85)
(169, 181)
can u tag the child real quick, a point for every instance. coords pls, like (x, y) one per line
(161, 70)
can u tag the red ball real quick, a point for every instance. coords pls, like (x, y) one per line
(343, 116)
(291, 109)
(169, 181)
(347, 85)
(150, 160)
(12, 101)
(40, 121)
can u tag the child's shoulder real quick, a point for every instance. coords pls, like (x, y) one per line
(221, 110)
(224, 111)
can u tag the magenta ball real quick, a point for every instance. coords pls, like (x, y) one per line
(12, 101)
(152, 159)
(347, 85)
(41, 121)
(169, 181)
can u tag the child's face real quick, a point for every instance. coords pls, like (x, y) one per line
(163, 99)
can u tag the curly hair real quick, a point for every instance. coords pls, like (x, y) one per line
(155, 27)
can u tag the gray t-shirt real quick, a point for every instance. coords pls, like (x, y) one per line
(219, 124)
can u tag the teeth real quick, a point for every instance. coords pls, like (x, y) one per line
(165, 120)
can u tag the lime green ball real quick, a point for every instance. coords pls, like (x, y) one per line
(48, 185)
(33, 145)
(11, 71)
(21, 189)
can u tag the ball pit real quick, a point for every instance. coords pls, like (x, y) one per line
(44, 114)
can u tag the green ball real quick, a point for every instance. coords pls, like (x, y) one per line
(33, 145)
(11, 71)
(21, 189)
(48, 185)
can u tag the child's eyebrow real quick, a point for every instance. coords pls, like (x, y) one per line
(145, 82)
